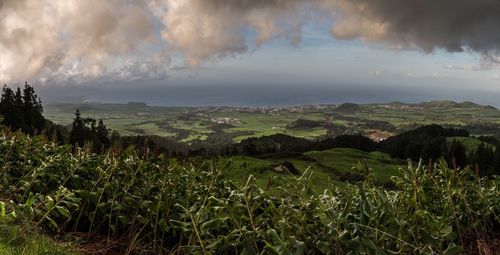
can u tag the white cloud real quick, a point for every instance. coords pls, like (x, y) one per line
(85, 40)
(69, 39)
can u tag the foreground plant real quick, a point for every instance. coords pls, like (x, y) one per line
(165, 207)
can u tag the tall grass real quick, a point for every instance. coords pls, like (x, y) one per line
(161, 206)
(15, 241)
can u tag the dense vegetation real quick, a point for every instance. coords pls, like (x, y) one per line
(159, 205)
(428, 142)
(128, 189)
(432, 143)
(358, 142)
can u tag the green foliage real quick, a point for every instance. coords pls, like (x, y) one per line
(195, 209)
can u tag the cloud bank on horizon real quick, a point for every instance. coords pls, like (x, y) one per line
(76, 41)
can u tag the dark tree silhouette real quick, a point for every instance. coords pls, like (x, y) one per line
(77, 135)
(358, 142)
(457, 154)
(427, 142)
(495, 169)
(33, 110)
(88, 130)
(483, 158)
(22, 110)
(103, 134)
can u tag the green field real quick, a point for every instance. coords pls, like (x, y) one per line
(470, 143)
(189, 124)
(327, 166)
(344, 160)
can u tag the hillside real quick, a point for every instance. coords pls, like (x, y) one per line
(330, 167)
(470, 143)
(344, 160)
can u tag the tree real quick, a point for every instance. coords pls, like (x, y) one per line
(358, 142)
(89, 130)
(495, 169)
(103, 134)
(457, 154)
(12, 114)
(22, 110)
(33, 110)
(483, 158)
(77, 135)
(18, 99)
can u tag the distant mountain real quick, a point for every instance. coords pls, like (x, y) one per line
(396, 103)
(452, 104)
(348, 108)
(438, 104)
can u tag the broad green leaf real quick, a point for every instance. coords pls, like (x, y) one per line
(63, 211)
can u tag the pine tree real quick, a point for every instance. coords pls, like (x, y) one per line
(77, 135)
(103, 134)
(22, 110)
(484, 158)
(88, 130)
(33, 110)
(18, 98)
(457, 154)
(495, 169)
(12, 115)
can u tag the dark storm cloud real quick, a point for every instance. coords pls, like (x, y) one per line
(454, 25)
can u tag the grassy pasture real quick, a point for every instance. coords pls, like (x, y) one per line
(326, 166)
(344, 159)
(470, 143)
(200, 122)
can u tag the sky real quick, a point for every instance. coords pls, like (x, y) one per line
(252, 52)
